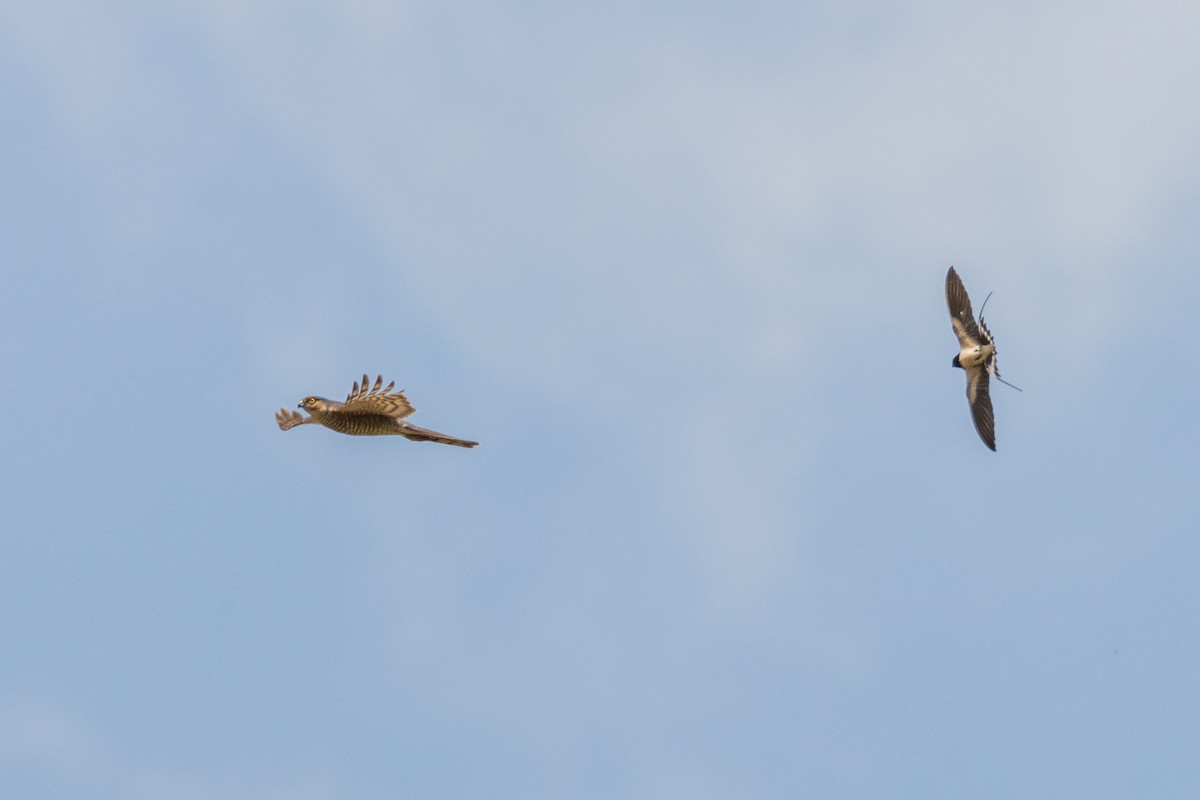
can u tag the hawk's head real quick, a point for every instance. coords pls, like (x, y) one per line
(314, 404)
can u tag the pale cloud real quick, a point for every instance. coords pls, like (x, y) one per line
(85, 58)
(296, 330)
(972, 129)
(71, 758)
(54, 740)
(1039, 145)
(1043, 146)
(711, 263)
(1043, 140)
(733, 527)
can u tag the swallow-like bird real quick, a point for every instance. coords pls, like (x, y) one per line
(976, 356)
(367, 412)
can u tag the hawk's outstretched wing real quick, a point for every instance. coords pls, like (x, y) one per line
(288, 419)
(385, 402)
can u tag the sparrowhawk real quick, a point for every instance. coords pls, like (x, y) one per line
(367, 412)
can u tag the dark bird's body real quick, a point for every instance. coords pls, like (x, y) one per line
(976, 356)
(366, 412)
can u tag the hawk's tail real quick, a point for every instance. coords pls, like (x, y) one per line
(419, 434)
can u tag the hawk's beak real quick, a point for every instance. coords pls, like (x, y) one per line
(299, 405)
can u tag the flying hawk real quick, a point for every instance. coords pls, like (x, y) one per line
(368, 411)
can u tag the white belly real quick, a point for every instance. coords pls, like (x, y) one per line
(974, 356)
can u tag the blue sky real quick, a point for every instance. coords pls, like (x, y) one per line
(680, 269)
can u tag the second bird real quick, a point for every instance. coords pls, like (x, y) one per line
(976, 356)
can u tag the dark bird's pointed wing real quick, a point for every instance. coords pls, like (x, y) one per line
(961, 316)
(374, 400)
(981, 405)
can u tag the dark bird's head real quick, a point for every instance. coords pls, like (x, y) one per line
(956, 363)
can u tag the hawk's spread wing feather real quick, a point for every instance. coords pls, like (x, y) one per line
(288, 419)
(374, 401)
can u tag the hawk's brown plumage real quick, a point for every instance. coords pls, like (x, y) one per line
(373, 411)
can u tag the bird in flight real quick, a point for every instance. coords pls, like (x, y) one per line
(976, 356)
(367, 412)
